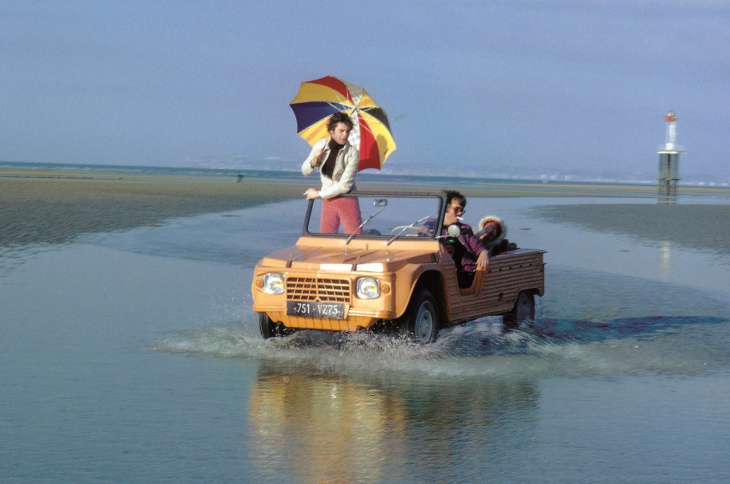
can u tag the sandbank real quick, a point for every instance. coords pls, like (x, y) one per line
(52, 206)
(695, 226)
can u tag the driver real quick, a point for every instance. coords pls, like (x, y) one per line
(468, 253)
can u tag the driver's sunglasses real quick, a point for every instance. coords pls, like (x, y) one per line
(460, 210)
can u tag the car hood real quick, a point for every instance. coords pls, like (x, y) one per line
(352, 257)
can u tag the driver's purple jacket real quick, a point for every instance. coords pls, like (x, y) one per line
(468, 240)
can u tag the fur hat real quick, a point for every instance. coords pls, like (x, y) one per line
(495, 227)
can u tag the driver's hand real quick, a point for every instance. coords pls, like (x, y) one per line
(483, 260)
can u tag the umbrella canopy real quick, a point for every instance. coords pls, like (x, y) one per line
(319, 99)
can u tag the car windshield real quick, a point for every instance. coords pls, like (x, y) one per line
(381, 216)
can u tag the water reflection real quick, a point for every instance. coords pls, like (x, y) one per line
(667, 197)
(664, 253)
(316, 427)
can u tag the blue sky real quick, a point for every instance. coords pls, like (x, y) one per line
(472, 87)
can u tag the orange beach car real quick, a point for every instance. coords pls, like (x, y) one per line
(391, 275)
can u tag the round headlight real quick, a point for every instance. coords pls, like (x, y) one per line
(274, 283)
(368, 288)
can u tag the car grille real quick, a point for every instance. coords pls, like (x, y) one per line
(312, 289)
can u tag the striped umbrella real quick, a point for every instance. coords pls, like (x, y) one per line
(318, 99)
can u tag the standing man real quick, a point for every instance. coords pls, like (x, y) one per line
(338, 162)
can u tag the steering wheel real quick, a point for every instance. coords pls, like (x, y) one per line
(404, 228)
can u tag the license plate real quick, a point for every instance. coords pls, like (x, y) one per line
(315, 309)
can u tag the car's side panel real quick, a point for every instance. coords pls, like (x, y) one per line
(507, 275)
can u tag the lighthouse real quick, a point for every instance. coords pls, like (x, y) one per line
(669, 159)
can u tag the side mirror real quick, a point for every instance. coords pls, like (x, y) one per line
(453, 233)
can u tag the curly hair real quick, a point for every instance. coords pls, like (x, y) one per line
(453, 194)
(339, 117)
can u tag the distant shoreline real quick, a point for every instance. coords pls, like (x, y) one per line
(291, 172)
(53, 205)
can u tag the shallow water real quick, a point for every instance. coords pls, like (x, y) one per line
(136, 357)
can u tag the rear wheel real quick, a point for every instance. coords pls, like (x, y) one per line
(524, 310)
(423, 325)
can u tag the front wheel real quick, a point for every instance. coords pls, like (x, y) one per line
(270, 329)
(524, 310)
(423, 325)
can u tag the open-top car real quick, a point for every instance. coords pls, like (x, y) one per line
(394, 272)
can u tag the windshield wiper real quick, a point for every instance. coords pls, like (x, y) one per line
(406, 228)
(362, 225)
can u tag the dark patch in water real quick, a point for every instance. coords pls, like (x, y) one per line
(591, 332)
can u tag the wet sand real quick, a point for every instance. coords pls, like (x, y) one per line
(52, 206)
(704, 227)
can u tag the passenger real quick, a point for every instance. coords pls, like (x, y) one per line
(466, 250)
(338, 163)
(491, 232)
